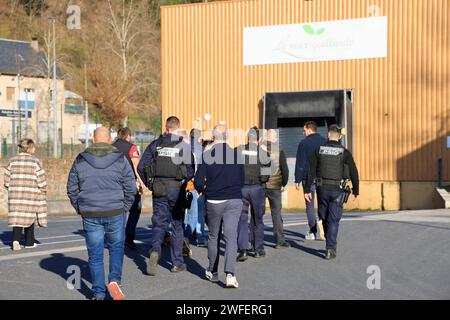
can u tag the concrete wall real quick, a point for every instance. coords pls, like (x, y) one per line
(3, 195)
(378, 195)
(58, 203)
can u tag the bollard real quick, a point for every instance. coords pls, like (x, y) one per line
(71, 148)
(4, 148)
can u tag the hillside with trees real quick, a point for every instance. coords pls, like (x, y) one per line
(116, 52)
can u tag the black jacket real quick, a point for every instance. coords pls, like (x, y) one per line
(348, 160)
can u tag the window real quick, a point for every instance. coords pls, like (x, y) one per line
(10, 93)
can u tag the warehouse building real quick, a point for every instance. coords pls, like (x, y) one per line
(379, 68)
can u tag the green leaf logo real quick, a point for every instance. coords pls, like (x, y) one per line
(310, 30)
(320, 31)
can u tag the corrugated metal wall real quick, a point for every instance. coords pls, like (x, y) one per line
(401, 109)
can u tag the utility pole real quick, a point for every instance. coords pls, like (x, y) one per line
(26, 113)
(54, 95)
(86, 109)
(19, 58)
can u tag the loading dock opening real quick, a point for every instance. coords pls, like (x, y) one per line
(289, 111)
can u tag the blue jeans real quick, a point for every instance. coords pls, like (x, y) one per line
(195, 217)
(101, 231)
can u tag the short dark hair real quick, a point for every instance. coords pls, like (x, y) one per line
(311, 125)
(123, 133)
(195, 134)
(253, 134)
(335, 128)
(173, 122)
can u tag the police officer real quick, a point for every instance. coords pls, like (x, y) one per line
(257, 171)
(331, 165)
(124, 145)
(165, 165)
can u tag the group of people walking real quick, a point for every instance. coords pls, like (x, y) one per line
(194, 182)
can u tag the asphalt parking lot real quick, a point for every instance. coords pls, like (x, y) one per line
(409, 249)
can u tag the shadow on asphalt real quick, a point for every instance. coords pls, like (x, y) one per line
(311, 251)
(6, 238)
(139, 257)
(80, 232)
(58, 263)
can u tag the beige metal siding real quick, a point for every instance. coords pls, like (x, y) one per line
(401, 111)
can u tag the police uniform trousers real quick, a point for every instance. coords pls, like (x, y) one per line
(330, 211)
(253, 196)
(162, 215)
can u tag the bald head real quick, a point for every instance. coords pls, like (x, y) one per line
(220, 133)
(102, 135)
(272, 135)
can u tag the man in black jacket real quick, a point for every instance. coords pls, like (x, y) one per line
(305, 149)
(257, 171)
(221, 178)
(327, 165)
(131, 153)
(275, 185)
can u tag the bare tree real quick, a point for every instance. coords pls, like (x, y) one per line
(122, 26)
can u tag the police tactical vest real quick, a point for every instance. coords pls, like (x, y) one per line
(331, 163)
(252, 164)
(167, 161)
(276, 179)
(125, 147)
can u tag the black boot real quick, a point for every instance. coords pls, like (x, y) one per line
(242, 256)
(331, 254)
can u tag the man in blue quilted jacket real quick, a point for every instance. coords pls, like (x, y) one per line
(101, 188)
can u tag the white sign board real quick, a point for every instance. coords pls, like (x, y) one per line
(320, 41)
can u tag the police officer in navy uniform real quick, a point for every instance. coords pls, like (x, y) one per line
(124, 145)
(257, 171)
(165, 165)
(331, 165)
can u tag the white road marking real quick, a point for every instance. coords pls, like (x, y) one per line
(41, 253)
(293, 222)
(58, 242)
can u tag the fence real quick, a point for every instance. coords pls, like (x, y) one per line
(65, 151)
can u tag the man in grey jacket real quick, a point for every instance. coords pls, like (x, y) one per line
(101, 188)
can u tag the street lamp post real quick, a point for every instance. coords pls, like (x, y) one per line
(86, 109)
(54, 95)
(19, 58)
(26, 113)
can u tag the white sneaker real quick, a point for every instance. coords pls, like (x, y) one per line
(16, 246)
(231, 281)
(31, 247)
(310, 236)
(212, 276)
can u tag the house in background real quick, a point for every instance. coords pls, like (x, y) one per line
(26, 89)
